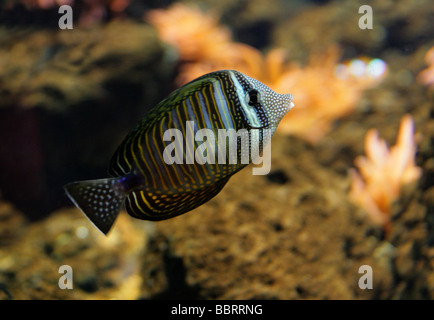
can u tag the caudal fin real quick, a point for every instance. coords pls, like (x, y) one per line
(100, 200)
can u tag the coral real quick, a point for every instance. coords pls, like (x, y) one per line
(195, 35)
(324, 90)
(203, 45)
(426, 76)
(383, 172)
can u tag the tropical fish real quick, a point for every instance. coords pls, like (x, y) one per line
(157, 176)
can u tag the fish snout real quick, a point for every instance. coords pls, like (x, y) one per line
(288, 101)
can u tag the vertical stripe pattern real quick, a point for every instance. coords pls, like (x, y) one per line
(214, 101)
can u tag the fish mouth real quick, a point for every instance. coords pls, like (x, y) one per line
(289, 97)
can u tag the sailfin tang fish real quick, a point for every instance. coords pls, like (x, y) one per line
(156, 184)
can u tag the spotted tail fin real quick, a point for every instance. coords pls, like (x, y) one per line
(100, 200)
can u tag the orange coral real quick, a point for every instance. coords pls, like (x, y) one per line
(320, 94)
(426, 76)
(203, 45)
(324, 91)
(195, 35)
(383, 172)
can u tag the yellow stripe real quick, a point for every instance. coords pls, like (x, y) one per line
(142, 194)
(197, 120)
(228, 110)
(170, 126)
(199, 176)
(134, 155)
(223, 107)
(201, 113)
(210, 113)
(153, 159)
(222, 126)
(185, 134)
(168, 170)
(208, 105)
(183, 169)
(161, 156)
(137, 203)
(142, 155)
(125, 155)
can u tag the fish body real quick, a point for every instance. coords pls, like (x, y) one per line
(183, 152)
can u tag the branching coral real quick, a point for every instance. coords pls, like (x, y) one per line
(383, 172)
(426, 76)
(323, 90)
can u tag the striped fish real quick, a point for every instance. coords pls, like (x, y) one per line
(150, 187)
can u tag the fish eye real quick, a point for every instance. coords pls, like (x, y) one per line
(252, 97)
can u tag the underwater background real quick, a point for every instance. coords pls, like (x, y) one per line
(352, 169)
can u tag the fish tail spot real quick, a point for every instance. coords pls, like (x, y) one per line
(100, 200)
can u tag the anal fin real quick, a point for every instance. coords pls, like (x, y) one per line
(153, 206)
